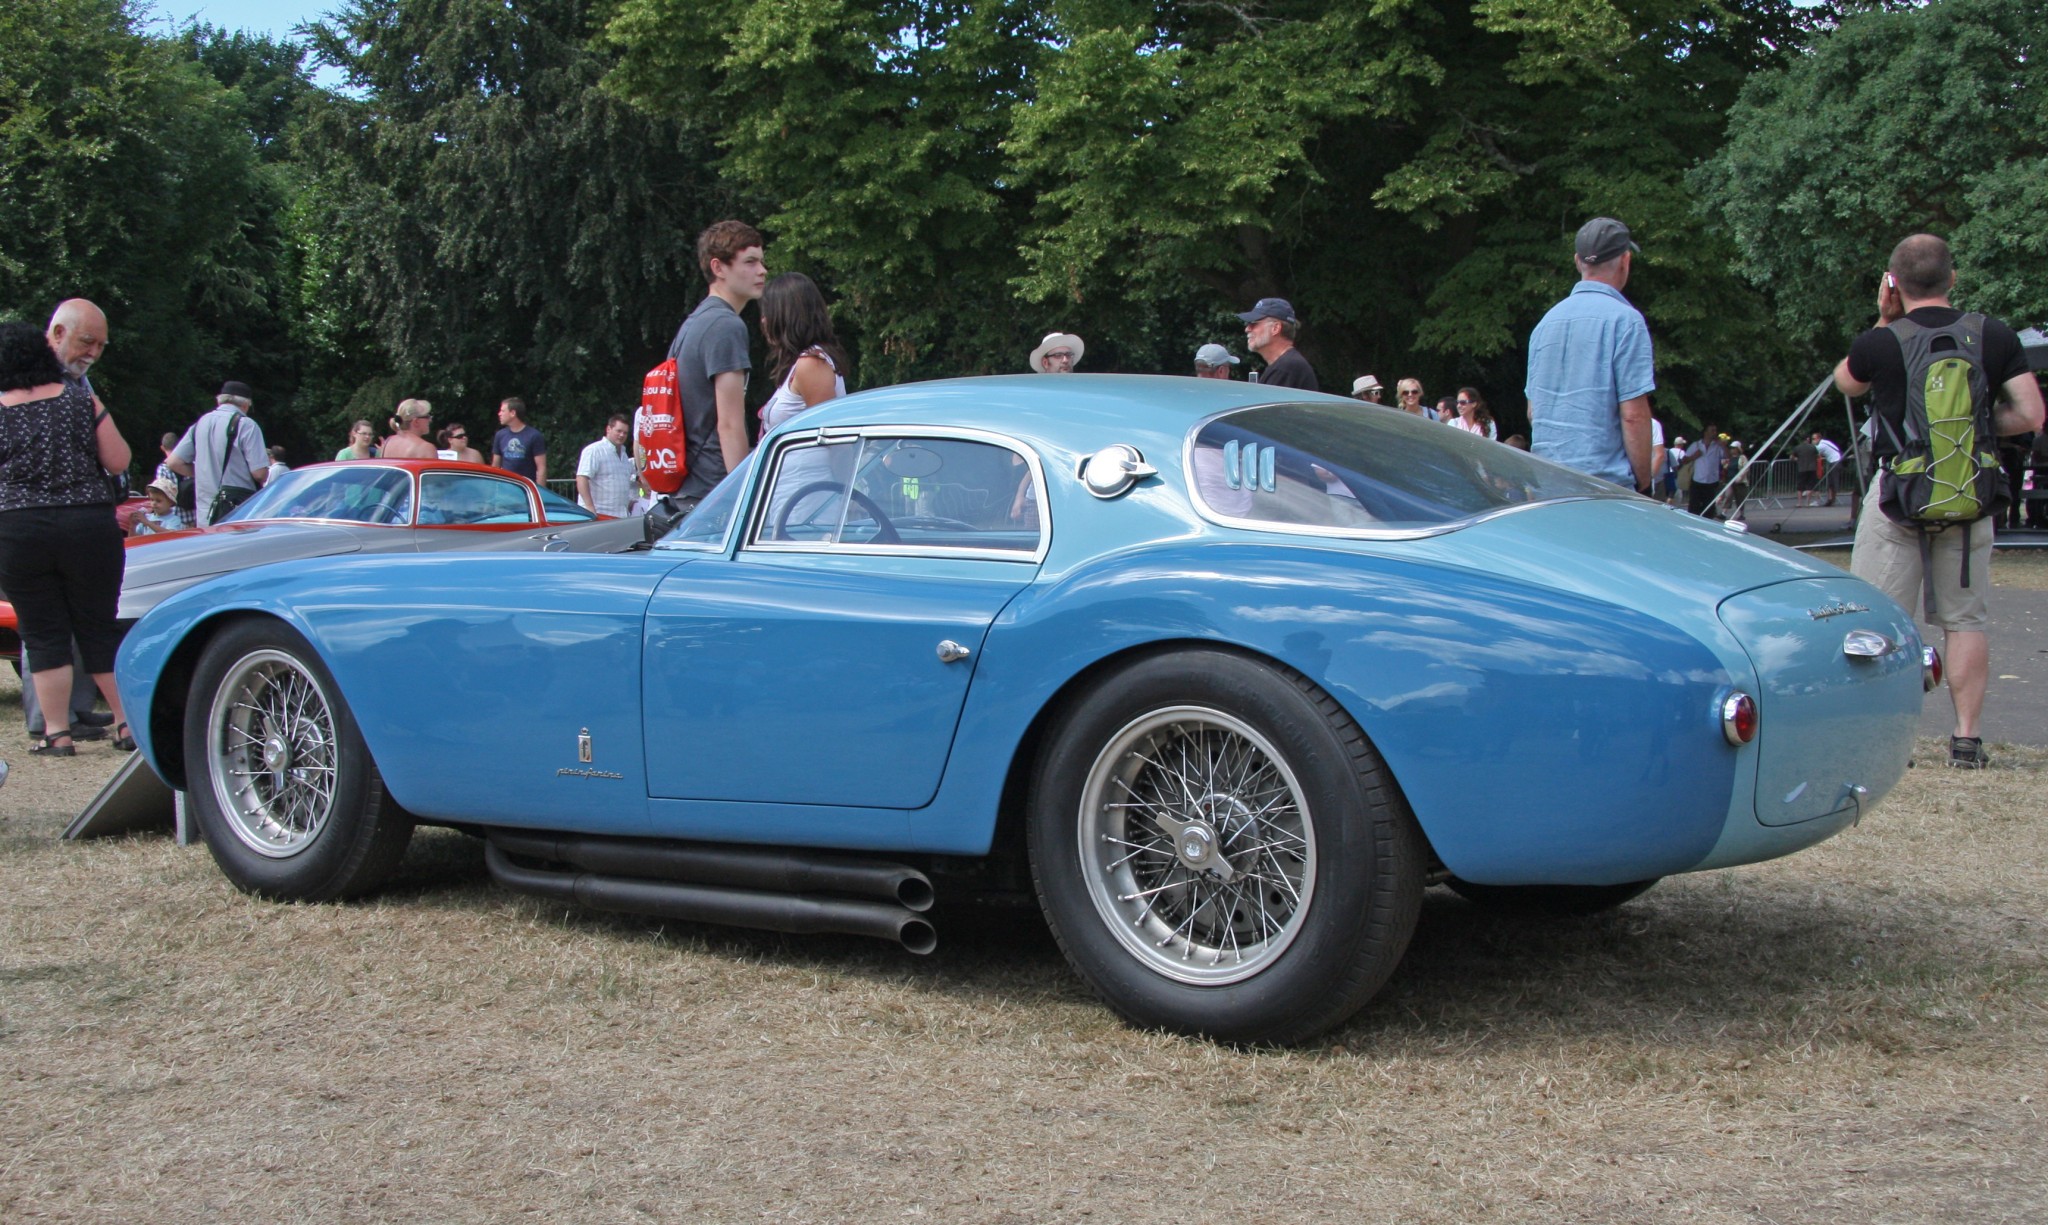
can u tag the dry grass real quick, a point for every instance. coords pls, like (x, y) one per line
(1856, 1034)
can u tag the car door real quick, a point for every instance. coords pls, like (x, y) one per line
(826, 660)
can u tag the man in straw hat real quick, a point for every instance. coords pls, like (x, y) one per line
(1058, 353)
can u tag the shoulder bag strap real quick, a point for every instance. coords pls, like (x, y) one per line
(227, 445)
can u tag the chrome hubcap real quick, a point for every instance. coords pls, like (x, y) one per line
(1196, 845)
(271, 746)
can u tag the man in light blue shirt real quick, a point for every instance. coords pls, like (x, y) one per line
(1590, 369)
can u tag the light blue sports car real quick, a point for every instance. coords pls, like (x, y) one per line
(1226, 675)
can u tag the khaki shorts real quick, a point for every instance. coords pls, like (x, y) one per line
(1887, 556)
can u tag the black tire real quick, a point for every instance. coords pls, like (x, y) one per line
(1267, 908)
(1552, 901)
(314, 823)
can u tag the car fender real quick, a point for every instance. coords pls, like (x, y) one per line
(1525, 726)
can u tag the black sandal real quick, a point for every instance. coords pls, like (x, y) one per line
(48, 746)
(122, 740)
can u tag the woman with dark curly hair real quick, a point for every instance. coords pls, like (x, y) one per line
(61, 551)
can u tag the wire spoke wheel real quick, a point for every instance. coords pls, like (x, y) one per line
(1196, 845)
(272, 746)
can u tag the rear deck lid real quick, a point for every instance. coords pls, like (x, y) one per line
(1832, 719)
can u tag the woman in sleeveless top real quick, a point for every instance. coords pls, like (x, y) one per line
(802, 350)
(61, 551)
(806, 360)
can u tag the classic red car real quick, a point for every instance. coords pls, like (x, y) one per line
(357, 506)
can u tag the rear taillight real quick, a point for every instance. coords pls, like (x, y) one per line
(1738, 718)
(1930, 668)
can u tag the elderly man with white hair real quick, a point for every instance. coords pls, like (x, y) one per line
(224, 454)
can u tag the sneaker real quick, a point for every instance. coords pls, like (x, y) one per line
(1967, 752)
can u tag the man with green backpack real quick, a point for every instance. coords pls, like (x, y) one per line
(1944, 385)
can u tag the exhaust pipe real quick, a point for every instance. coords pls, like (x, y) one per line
(716, 904)
(736, 867)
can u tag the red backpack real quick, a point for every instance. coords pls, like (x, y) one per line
(658, 429)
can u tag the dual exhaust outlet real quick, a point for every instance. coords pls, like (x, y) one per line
(738, 886)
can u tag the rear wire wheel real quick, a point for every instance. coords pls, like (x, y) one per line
(1219, 850)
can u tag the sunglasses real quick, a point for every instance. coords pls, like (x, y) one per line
(1463, 400)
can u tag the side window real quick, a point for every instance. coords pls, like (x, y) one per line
(453, 498)
(942, 494)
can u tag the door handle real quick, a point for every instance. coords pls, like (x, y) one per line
(951, 652)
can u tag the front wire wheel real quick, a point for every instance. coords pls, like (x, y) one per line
(280, 783)
(271, 739)
(1196, 845)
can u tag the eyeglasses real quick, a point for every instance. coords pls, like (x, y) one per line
(454, 437)
(1463, 400)
(1411, 391)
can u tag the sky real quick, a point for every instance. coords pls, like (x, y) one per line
(274, 17)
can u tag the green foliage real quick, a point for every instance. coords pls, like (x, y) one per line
(126, 176)
(1932, 118)
(482, 221)
(1408, 172)
(875, 130)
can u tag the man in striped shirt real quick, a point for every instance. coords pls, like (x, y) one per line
(604, 472)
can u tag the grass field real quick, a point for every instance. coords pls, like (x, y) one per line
(1855, 1034)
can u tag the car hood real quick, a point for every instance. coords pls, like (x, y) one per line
(157, 566)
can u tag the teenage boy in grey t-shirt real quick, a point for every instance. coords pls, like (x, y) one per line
(710, 351)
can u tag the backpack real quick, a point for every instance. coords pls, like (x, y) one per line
(1944, 467)
(658, 430)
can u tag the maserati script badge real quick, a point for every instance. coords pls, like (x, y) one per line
(1835, 609)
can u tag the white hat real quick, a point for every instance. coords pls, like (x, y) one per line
(1365, 382)
(1055, 340)
(1214, 355)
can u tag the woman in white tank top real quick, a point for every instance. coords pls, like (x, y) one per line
(806, 360)
(802, 350)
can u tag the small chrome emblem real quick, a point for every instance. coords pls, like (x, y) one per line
(583, 746)
(1836, 609)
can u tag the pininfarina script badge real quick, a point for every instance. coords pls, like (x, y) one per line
(1835, 609)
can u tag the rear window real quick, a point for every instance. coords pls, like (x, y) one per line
(1342, 468)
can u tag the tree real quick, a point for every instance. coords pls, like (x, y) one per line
(485, 221)
(1931, 118)
(126, 176)
(1408, 172)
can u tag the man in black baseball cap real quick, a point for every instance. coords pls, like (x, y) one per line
(1603, 238)
(1270, 327)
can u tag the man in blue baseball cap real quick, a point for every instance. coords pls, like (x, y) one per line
(1269, 331)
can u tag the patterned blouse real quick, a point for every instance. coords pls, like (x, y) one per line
(48, 456)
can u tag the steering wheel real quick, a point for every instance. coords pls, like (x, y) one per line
(885, 531)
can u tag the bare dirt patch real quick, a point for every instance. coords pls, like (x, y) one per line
(1855, 1034)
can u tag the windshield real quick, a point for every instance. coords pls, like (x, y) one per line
(1364, 468)
(356, 493)
(706, 526)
